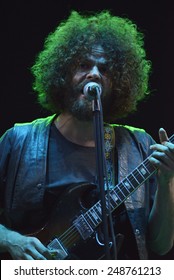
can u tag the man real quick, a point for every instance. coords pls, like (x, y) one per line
(48, 167)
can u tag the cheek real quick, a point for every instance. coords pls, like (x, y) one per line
(108, 84)
(78, 77)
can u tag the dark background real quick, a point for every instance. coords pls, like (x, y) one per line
(25, 24)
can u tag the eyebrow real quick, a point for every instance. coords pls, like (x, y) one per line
(101, 60)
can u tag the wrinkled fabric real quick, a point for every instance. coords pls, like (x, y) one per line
(23, 165)
(133, 147)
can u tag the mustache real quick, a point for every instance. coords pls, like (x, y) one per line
(80, 87)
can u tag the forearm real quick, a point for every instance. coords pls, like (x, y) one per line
(161, 221)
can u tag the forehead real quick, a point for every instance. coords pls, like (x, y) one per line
(97, 53)
(97, 50)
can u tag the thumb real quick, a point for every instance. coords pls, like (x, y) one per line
(163, 136)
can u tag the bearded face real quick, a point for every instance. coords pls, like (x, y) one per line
(91, 68)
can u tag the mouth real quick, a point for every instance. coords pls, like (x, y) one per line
(88, 90)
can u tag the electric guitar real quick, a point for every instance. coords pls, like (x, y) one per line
(73, 226)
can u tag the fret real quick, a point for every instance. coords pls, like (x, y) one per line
(96, 216)
(135, 177)
(115, 197)
(109, 202)
(138, 175)
(133, 180)
(112, 198)
(143, 170)
(90, 220)
(98, 210)
(120, 193)
(149, 166)
(124, 190)
(171, 139)
(127, 184)
(119, 200)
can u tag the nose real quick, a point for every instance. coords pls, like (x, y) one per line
(94, 73)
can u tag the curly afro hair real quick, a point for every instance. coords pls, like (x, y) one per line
(124, 46)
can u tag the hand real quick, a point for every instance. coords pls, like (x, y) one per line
(23, 247)
(163, 155)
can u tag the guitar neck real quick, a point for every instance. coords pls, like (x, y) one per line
(122, 191)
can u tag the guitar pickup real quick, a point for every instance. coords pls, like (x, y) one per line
(83, 227)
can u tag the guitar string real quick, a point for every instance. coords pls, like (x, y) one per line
(135, 174)
(72, 232)
(145, 163)
(69, 234)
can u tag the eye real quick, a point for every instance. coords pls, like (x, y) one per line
(83, 65)
(103, 69)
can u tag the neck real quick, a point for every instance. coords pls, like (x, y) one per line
(76, 131)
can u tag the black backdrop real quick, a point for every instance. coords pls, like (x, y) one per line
(25, 24)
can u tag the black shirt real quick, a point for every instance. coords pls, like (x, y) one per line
(69, 163)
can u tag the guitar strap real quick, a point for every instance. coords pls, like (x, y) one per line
(109, 147)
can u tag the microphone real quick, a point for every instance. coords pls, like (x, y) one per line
(91, 90)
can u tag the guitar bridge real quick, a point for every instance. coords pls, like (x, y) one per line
(59, 252)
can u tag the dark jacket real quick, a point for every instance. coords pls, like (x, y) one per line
(23, 163)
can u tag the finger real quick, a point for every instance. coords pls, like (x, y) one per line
(164, 157)
(159, 147)
(161, 159)
(36, 249)
(38, 254)
(52, 254)
(163, 135)
(45, 252)
(160, 164)
(166, 148)
(170, 147)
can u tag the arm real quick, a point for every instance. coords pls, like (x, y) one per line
(17, 245)
(161, 220)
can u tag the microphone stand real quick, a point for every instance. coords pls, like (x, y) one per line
(100, 161)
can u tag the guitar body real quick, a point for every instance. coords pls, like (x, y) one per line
(71, 205)
(60, 232)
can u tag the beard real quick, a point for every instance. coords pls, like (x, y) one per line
(76, 105)
(81, 108)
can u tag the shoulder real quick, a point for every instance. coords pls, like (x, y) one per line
(135, 134)
(139, 132)
(129, 128)
(37, 122)
(21, 130)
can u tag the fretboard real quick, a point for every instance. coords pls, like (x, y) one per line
(122, 191)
